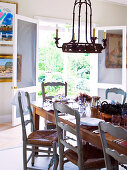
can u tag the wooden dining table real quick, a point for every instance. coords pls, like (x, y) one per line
(87, 135)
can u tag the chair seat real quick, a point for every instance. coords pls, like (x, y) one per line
(43, 137)
(93, 157)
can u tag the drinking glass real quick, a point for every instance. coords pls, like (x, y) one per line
(116, 119)
(125, 120)
(88, 109)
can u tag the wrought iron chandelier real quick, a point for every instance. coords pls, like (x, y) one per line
(75, 46)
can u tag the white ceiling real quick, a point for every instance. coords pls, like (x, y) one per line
(122, 2)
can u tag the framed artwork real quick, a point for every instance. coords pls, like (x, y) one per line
(114, 51)
(7, 11)
(6, 68)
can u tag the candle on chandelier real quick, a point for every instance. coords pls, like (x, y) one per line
(74, 36)
(56, 31)
(105, 35)
(93, 32)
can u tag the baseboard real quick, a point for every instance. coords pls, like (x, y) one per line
(5, 118)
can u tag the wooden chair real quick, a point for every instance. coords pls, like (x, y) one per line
(116, 91)
(50, 125)
(52, 84)
(36, 141)
(85, 156)
(116, 132)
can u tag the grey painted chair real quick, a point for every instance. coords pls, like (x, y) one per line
(40, 141)
(85, 156)
(116, 91)
(52, 84)
(50, 125)
(116, 132)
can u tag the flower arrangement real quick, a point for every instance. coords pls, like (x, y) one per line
(84, 98)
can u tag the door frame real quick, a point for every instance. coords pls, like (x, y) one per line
(31, 89)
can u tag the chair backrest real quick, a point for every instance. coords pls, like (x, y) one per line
(117, 132)
(61, 108)
(21, 99)
(116, 91)
(52, 84)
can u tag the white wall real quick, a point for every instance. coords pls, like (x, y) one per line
(103, 14)
(109, 14)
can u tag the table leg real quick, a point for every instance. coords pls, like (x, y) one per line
(36, 123)
(36, 119)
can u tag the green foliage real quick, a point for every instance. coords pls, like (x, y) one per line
(41, 78)
(52, 90)
(40, 93)
(53, 63)
(50, 57)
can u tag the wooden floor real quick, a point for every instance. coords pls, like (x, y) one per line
(10, 137)
(5, 126)
(11, 150)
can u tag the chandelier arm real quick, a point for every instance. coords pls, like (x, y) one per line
(88, 2)
(58, 46)
(90, 22)
(79, 22)
(83, 3)
(57, 42)
(73, 19)
(86, 21)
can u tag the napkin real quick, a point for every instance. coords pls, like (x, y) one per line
(23, 100)
(90, 121)
(123, 143)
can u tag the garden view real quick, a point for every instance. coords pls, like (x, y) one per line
(54, 65)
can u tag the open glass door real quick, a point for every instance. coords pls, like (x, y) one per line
(109, 67)
(25, 56)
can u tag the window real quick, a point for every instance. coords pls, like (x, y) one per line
(54, 65)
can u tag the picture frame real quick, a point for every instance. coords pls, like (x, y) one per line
(114, 51)
(6, 67)
(7, 12)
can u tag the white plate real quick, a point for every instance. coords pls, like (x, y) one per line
(90, 121)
